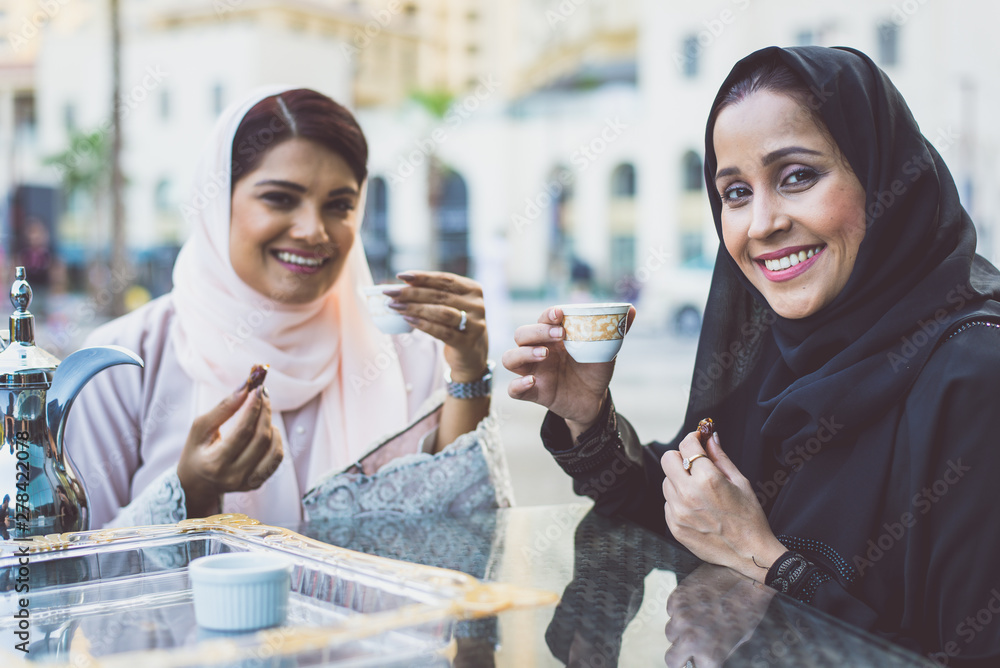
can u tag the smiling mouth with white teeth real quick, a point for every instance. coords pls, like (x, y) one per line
(300, 260)
(789, 261)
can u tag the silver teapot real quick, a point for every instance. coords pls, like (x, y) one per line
(40, 491)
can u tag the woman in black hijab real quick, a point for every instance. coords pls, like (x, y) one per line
(849, 357)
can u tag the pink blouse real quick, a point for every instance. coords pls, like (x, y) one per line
(128, 426)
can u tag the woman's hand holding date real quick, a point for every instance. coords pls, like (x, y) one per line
(212, 464)
(711, 508)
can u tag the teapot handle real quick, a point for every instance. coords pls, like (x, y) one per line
(72, 374)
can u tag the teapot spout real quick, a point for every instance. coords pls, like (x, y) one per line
(72, 374)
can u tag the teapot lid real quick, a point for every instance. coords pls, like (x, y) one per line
(22, 356)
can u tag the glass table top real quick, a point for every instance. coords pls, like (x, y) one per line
(549, 586)
(624, 591)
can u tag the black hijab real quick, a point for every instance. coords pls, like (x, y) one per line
(916, 277)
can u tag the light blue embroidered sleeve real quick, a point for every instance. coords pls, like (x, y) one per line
(162, 502)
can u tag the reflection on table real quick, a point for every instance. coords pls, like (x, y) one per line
(617, 582)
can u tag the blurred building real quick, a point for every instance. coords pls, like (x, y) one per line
(560, 138)
(592, 153)
(28, 200)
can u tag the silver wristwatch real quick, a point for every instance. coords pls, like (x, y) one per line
(475, 389)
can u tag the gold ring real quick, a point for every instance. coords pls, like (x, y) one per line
(686, 463)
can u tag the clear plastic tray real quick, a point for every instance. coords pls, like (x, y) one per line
(121, 599)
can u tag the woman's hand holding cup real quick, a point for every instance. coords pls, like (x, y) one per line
(550, 377)
(450, 308)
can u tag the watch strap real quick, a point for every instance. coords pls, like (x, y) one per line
(475, 389)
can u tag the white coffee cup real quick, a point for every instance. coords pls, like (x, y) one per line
(594, 333)
(388, 320)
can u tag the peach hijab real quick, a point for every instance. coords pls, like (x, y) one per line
(223, 327)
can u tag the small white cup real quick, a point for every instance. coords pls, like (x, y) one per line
(389, 321)
(594, 333)
(240, 591)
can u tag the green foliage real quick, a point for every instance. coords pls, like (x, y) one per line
(436, 102)
(86, 164)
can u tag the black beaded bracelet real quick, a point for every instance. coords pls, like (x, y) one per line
(787, 572)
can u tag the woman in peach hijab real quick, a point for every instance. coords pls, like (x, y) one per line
(271, 275)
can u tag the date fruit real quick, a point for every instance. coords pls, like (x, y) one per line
(257, 374)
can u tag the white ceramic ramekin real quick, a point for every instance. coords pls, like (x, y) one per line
(240, 591)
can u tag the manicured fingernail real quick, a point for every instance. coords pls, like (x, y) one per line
(715, 437)
(392, 292)
(410, 319)
(405, 276)
(399, 306)
(529, 381)
(261, 391)
(552, 314)
(541, 351)
(556, 332)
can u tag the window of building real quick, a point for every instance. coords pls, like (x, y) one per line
(622, 262)
(375, 231)
(691, 245)
(805, 38)
(693, 178)
(24, 112)
(451, 224)
(218, 99)
(623, 181)
(163, 198)
(888, 43)
(689, 56)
